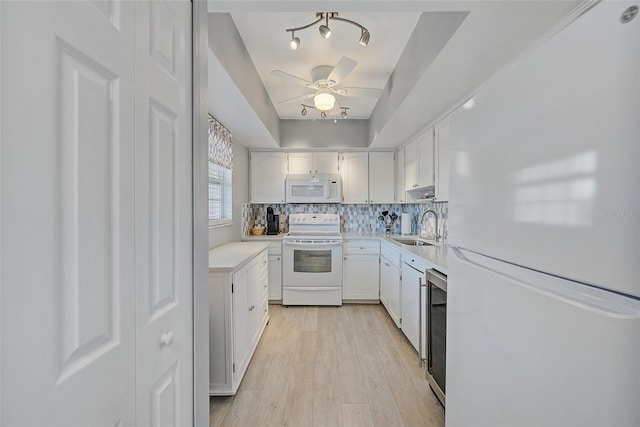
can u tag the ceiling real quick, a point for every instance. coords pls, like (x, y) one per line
(268, 44)
(427, 56)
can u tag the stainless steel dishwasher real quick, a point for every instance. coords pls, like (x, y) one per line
(437, 333)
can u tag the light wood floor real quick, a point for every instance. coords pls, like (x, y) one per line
(328, 366)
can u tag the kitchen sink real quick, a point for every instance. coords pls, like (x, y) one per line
(413, 242)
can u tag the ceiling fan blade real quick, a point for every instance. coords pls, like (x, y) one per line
(292, 78)
(298, 98)
(342, 69)
(360, 92)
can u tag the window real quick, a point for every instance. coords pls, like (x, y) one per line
(220, 174)
(219, 195)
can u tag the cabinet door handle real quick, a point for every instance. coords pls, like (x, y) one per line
(387, 264)
(166, 339)
(252, 308)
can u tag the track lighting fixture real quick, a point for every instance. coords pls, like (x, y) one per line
(364, 38)
(324, 113)
(295, 41)
(324, 29)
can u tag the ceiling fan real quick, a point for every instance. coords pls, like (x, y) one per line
(325, 81)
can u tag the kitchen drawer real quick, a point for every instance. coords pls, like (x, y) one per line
(275, 248)
(263, 259)
(361, 247)
(416, 262)
(391, 254)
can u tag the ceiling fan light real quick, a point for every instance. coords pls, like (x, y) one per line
(325, 31)
(294, 42)
(324, 101)
(364, 37)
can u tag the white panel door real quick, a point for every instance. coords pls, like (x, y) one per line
(300, 163)
(381, 177)
(360, 277)
(163, 213)
(67, 168)
(400, 195)
(355, 177)
(443, 136)
(275, 277)
(326, 162)
(425, 156)
(411, 166)
(268, 172)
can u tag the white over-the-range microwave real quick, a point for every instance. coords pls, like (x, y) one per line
(318, 188)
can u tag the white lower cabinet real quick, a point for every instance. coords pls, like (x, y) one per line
(390, 292)
(275, 271)
(360, 271)
(413, 303)
(238, 313)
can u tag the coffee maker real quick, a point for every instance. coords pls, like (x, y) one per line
(273, 222)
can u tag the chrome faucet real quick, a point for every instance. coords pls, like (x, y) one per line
(436, 236)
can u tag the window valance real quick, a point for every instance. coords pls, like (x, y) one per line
(220, 144)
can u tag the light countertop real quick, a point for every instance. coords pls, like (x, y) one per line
(263, 237)
(232, 256)
(435, 255)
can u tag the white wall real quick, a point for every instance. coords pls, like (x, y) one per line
(221, 235)
(324, 133)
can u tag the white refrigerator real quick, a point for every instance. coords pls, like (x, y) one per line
(543, 322)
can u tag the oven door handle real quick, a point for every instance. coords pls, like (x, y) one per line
(313, 244)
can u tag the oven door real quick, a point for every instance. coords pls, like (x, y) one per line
(312, 263)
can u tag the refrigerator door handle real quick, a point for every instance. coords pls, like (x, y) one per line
(578, 294)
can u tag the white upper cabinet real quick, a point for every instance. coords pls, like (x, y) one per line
(300, 163)
(355, 177)
(442, 137)
(312, 163)
(400, 193)
(419, 170)
(325, 162)
(411, 166)
(381, 177)
(268, 172)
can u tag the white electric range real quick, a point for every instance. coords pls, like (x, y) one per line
(312, 260)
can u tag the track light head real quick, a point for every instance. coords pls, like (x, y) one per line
(323, 114)
(344, 114)
(304, 111)
(294, 42)
(325, 31)
(364, 37)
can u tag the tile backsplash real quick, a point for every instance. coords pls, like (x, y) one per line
(354, 218)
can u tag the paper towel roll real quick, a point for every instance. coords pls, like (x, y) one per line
(405, 223)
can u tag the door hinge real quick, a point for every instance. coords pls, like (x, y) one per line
(231, 287)
(234, 368)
